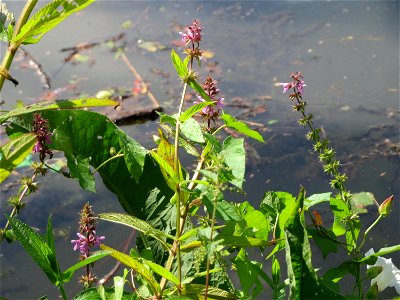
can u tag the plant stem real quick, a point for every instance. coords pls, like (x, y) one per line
(14, 211)
(368, 230)
(211, 239)
(13, 47)
(61, 287)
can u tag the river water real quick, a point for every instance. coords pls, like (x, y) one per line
(348, 52)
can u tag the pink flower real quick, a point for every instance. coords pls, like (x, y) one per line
(286, 86)
(297, 84)
(193, 33)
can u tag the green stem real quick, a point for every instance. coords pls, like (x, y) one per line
(13, 47)
(368, 230)
(211, 239)
(63, 294)
(108, 160)
(15, 210)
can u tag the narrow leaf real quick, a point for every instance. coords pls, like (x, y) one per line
(241, 127)
(162, 272)
(197, 87)
(59, 104)
(67, 274)
(194, 110)
(135, 265)
(135, 223)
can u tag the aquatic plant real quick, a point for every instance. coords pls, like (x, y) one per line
(190, 235)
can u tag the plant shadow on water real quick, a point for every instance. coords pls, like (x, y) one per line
(345, 50)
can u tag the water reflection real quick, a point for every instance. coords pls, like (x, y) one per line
(347, 51)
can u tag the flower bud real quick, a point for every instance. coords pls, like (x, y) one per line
(385, 207)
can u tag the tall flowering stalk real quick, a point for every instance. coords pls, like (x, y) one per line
(43, 137)
(211, 112)
(87, 239)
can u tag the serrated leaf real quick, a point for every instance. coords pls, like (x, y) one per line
(135, 223)
(47, 18)
(241, 127)
(179, 65)
(37, 248)
(194, 110)
(59, 104)
(135, 265)
(102, 293)
(14, 152)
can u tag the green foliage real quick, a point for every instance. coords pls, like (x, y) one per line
(191, 111)
(104, 294)
(135, 223)
(38, 248)
(14, 152)
(304, 283)
(234, 156)
(241, 127)
(47, 18)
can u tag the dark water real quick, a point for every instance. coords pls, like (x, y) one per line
(348, 52)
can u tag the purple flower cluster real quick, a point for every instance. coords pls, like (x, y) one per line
(193, 33)
(87, 232)
(84, 243)
(211, 112)
(43, 136)
(297, 83)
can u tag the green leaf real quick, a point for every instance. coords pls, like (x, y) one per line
(180, 67)
(225, 210)
(317, 198)
(135, 223)
(304, 283)
(67, 274)
(162, 272)
(118, 287)
(47, 18)
(361, 200)
(134, 155)
(322, 240)
(241, 127)
(59, 104)
(334, 275)
(194, 110)
(259, 223)
(248, 275)
(135, 265)
(371, 259)
(340, 212)
(197, 87)
(192, 130)
(102, 293)
(79, 168)
(235, 157)
(37, 248)
(195, 290)
(243, 241)
(14, 152)
(165, 166)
